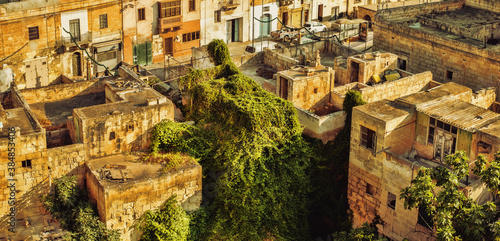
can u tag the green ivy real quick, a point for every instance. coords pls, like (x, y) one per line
(170, 223)
(74, 211)
(219, 52)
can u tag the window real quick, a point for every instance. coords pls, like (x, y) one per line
(103, 21)
(26, 163)
(130, 127)
(266, 9)
(449, 75)
(106, 56)
(217, 16)
(402, 64)
(170, 9)
(368, 138)
(112, 136)
(33, 33)
(192, 5)
(370, 189)
(483, 148)
(433, 124)
(74, 28)
(391, 201)
(141, 12)
(190, 36)
(424, 219)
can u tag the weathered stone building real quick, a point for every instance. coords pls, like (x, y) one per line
(35, 45)
(55, 129)
(391, 140)
(455, 40)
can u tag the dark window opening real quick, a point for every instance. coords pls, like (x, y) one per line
(430, 138)
(112, 136)
(131, 127)
(106, 56)
(217, 16)
(449, 75)
(26, 163)
(103, 21)
(401, 64)
(370, 189)
(391, 201)
(368, 138)
(192, 5)
(191, 36)
(33, 33)
(74, 29)
(141, 12)
(424, 219)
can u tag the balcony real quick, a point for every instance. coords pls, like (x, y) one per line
(286, 2)
(82, 39)
(228, 5)
(169, 22)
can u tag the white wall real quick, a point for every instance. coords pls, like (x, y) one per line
(211, 30)
(66, 17)
(273, 11)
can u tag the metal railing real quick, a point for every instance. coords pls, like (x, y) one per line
(169, 22)
(82, 39)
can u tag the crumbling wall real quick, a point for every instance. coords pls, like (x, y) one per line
(484, 97)
(324, 127)
(397, 88)
(278, 61)
(407, 12)
(447, 59)
(64, 91)
(490, 5)
(122, 204)
(332, 46)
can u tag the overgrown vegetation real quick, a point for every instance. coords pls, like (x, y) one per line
(454, 215)
(169, 223)
(71, 206)
(367, 232)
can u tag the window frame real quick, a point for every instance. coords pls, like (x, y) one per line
(217, 16)
(26, 163)
(31, 33)
(103, 21)
(141, 14)
(170, 9)
(391, 198)
(192, 5)
(370, 142)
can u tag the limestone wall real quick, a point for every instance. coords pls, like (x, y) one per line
(64, 91)
(201, 59)
(405, 12)
(467, 64)
(122, 204)
(324, 127)
(397, 88)
(332, 46)
(484, 98)
(278, 61)
(493, 6)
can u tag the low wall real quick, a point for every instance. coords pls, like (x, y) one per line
(121, 205)
(493, 6)
(412, 11)
(278, 61)
(63, 91)
(201, 59)
(324, 127)
(332, 46)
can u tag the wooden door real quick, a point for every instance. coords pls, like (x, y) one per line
(320, 12)
(285, 18)
(353, 75)
(76, 64)
(284, 88)
(169, 46)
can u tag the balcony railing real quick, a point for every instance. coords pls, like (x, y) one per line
(82, 39)
(169, 22)
(229, 4)
(286, 2)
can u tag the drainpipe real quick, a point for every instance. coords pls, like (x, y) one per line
(253, 25)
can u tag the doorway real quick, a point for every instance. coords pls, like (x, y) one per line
(284, 88)
(306, 16)
(354, 72)
(265, 25)
(320, 12)
(233, 30)
(76, 61)
(335, 13)
(285, 18)
(169, 45)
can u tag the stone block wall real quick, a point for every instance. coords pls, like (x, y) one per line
(484, 98)
(406, 12)
(324, 127)
(278, 61)
(493, 6)
(466, 64)
(64, 91)
(332, 46)
(397, 88)
(121, 205)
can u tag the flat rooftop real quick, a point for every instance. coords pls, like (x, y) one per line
(16, 117)
(58, 112)
(448, 89)
(299, 72)
(385, 110)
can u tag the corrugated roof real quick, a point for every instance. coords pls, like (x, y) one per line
(459, 113)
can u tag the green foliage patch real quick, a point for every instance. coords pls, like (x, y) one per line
(74, 211)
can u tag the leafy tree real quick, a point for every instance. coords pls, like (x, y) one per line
(170, 223)
(71, 206)
(454, 215)
(367, 232)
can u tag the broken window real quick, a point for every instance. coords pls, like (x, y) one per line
(370, 189)
(103, 21)
(141, 12)
(112, 136)
(391, 201)
(424, 219)
(130, 126)
(368, 138)
(483, 148)
(106, 56)
(26, 163)
(33, 33)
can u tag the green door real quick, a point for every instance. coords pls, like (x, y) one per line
(143, 54)
(265, 25)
